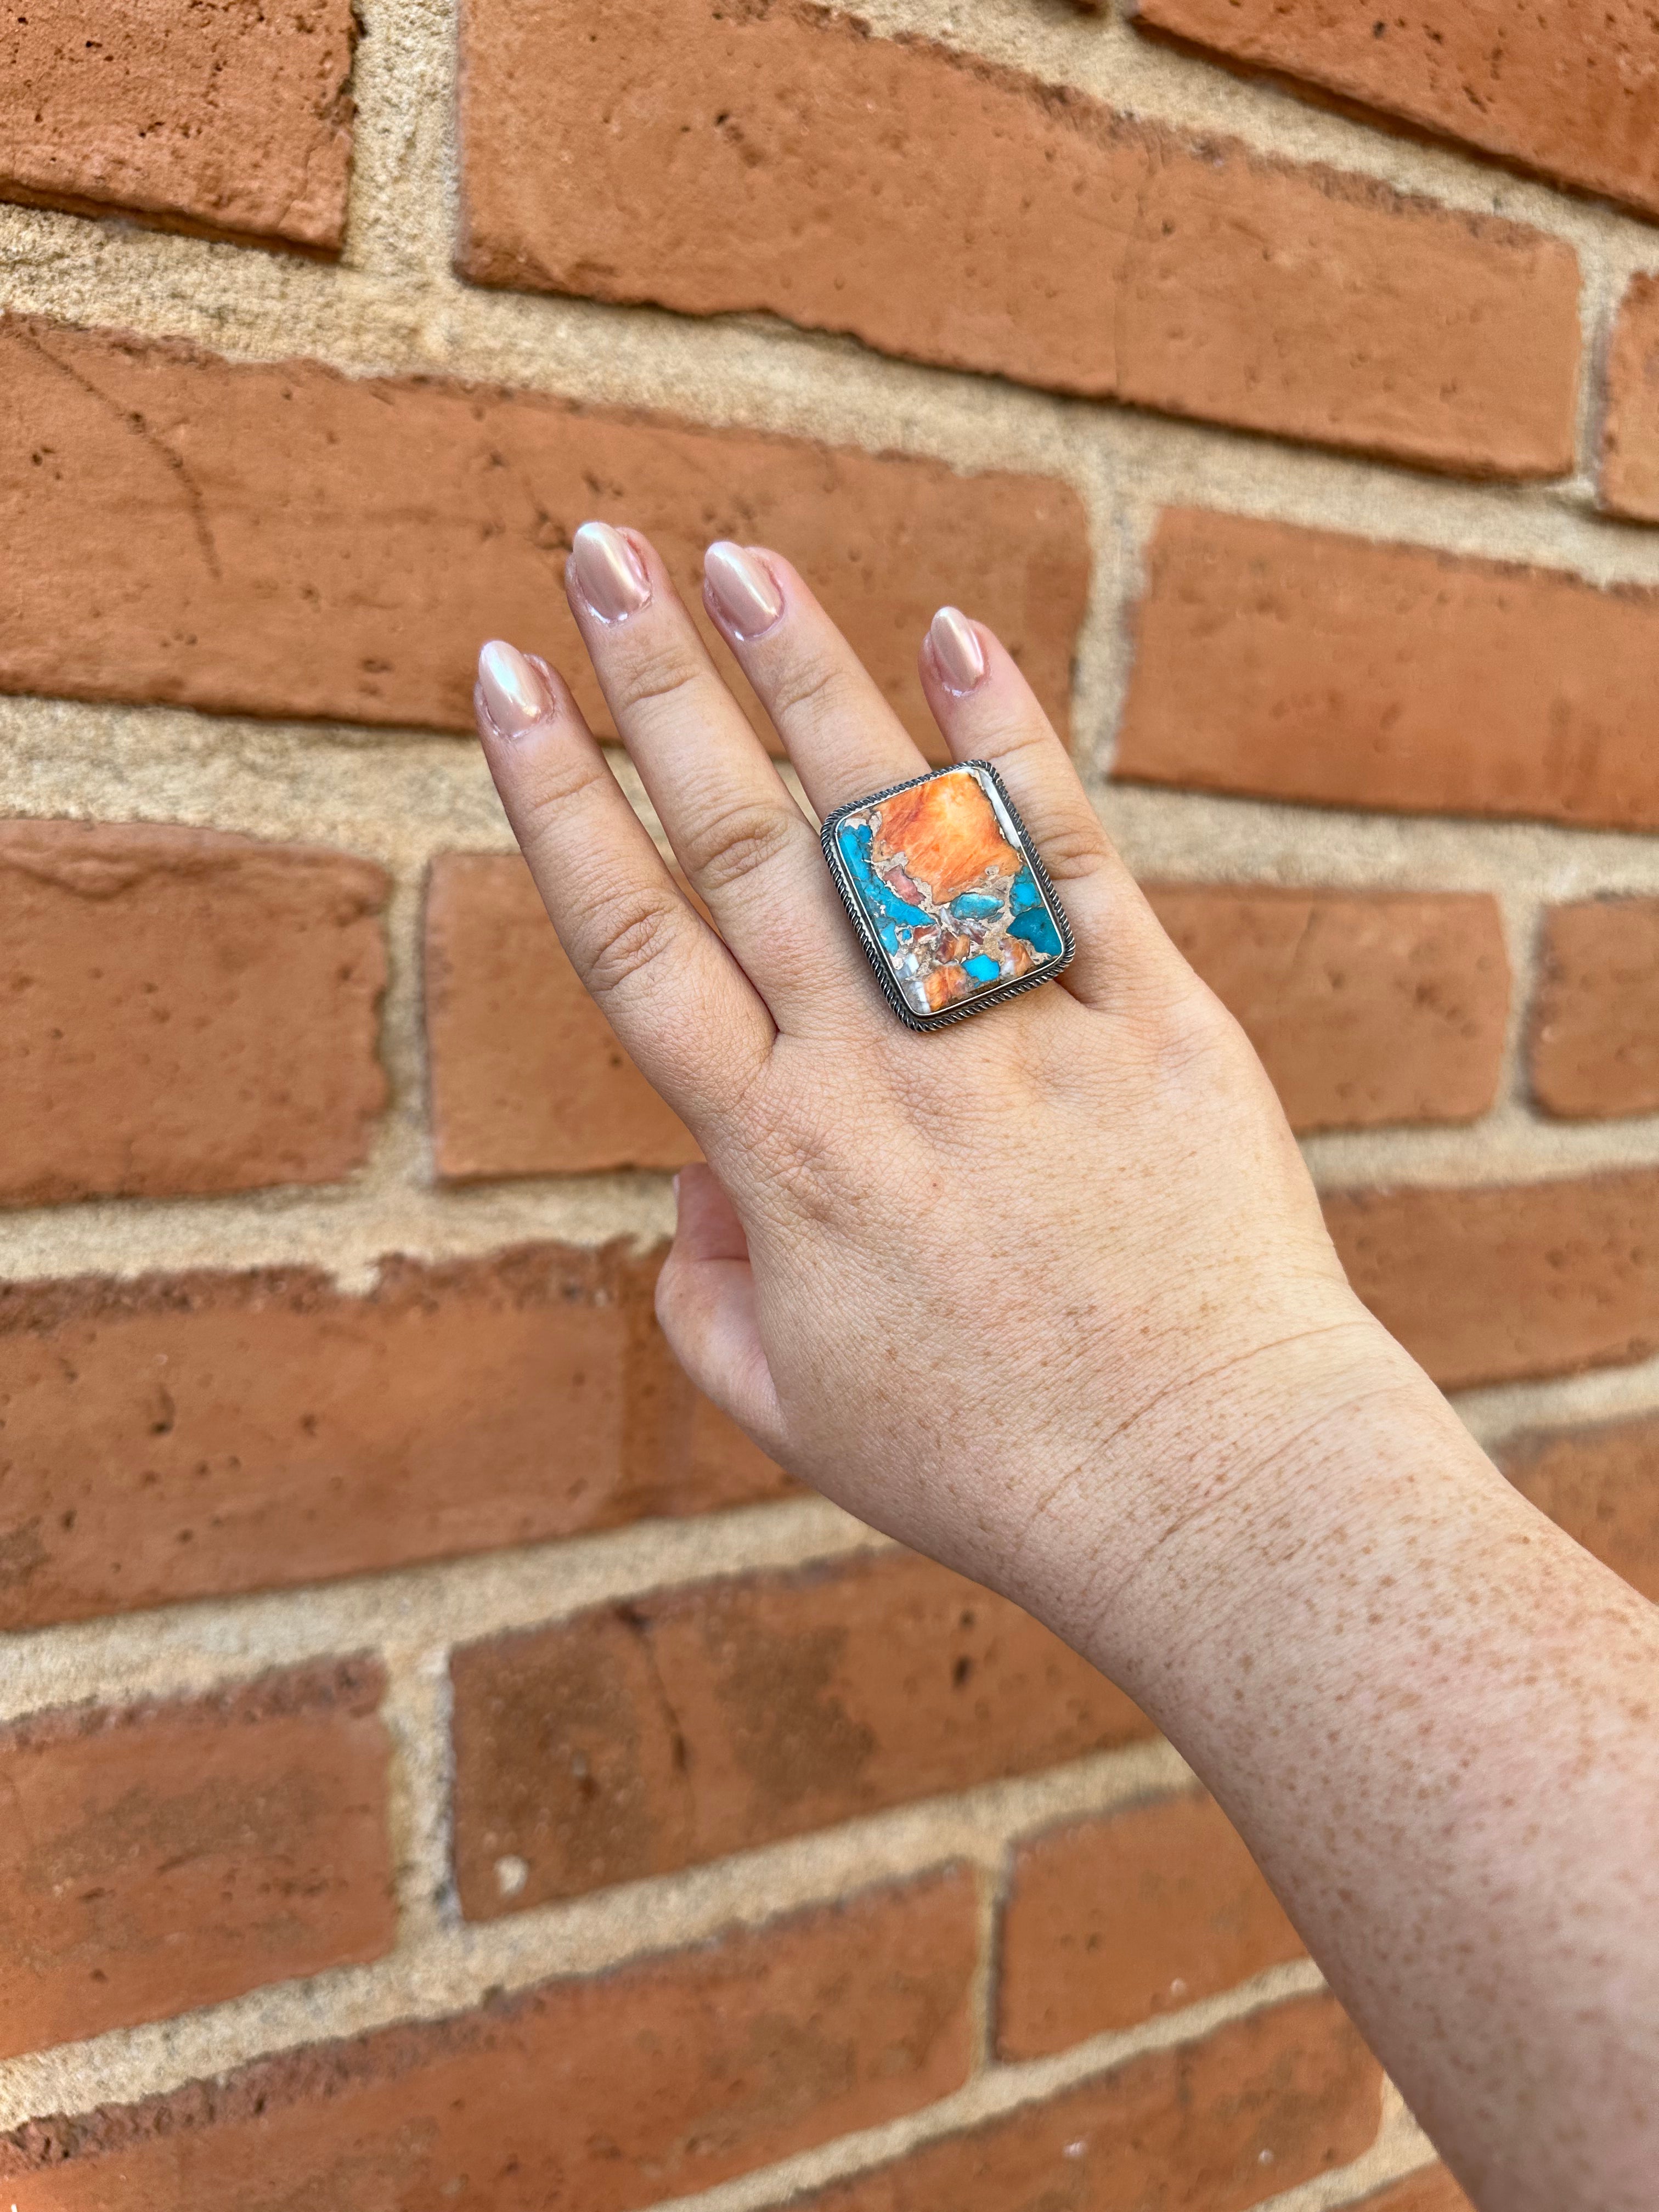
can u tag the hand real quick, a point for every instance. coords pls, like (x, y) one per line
(1047, 1294)
(953, 1280)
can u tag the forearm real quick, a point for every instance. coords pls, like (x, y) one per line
(1436, 1722)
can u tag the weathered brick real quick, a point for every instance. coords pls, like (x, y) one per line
(264, 494)
(527, 1075)
(211, 117)
(1630, 423)
(184, 1011)
(777, 155)
(157, 1856)
(1570, 90)
(638, 1739)
(1215, 2126)
(1599, 1481)
(1593, 1043)
(1501, 1281)
(1108, 1921)
(607, 2093)
(1429, 2189)
(1366, 1007)
(180, 1436)
(1284, 663)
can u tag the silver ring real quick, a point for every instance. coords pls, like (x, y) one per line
(949, 895)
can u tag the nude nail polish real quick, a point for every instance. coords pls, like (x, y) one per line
(608, 572)
(514, 690)
(743, 588)
(957, 652)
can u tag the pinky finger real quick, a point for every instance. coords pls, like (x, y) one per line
(988, 711)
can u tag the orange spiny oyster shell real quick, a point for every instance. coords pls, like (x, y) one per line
(944, 985)
(946, 833)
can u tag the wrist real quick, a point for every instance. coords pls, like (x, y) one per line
(1208, 1506)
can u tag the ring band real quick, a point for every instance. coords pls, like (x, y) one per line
(949, 895)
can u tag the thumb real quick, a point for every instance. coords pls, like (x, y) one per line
(706, 1305)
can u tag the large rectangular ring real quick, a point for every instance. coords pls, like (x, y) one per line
(948, 894)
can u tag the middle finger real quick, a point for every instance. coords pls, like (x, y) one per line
(735, 828)
(841, 735)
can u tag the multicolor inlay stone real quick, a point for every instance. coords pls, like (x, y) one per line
(954, 910)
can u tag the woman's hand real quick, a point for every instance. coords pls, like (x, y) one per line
(1047, 1294)
(1065, 1251)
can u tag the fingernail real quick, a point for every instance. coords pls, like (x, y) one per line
(957, 651)
(515, 693)
(743, 590)
(609, 573)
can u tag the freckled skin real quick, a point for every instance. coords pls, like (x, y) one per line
(1049, 1296)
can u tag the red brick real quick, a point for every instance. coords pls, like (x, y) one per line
(635, 1740)
(1502, 1281)
(155, 1857)
(1255, 2108)
(1110, 1921)
(1365, 1007)
(606, 2093)
(1282, 663)
(1601, 1483)
(776, 155)
(264, 494)
(185, 1011)
(1593, 1042)
(527, 1075)
(221, 119)
(1433, 2190)
(180, 1436)
(1630, 421)
(1570, 90)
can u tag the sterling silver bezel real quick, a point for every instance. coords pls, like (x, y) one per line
(1008, 814)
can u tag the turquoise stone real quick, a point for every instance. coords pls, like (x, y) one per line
(942, 874)
(1038, 930)
(855, 844)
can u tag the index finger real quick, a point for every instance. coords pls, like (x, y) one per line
(685, 1012)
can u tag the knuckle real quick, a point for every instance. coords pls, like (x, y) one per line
(628, 937)
(654, 678)
(807, 686)
(1179, 1025)
(736, 842)
(1074, 846)
(1014, 735)
(562, 772)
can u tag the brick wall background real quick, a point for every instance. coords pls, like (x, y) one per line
(440, 1764)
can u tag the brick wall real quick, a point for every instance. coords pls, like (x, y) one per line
(441, 1761)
